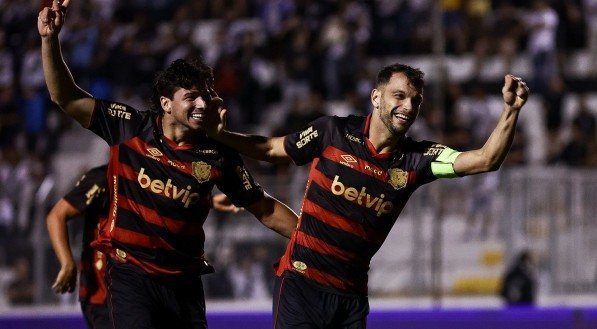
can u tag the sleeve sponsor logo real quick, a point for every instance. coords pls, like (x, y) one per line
(244, 176)
(93, 192)
(80, 180)
(306, 136)
(167, 189)
(434, 150)
(362, 198)
(201, 171)
(119, 111)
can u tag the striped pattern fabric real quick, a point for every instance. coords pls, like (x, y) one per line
(160, 192)
(352, 199)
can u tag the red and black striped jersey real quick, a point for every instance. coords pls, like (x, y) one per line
(90, 199)
(352, 199)
(160, 192)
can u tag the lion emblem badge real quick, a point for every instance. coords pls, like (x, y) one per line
(398, 178)
(201, 171)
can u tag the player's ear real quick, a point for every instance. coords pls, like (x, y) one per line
(375, 97)
(166, 104)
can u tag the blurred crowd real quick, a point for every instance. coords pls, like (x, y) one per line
(297, 58)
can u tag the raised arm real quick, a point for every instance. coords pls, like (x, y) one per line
(270, 149)
(490, 157)
(56, 220)
(63, 90)
(274, 215)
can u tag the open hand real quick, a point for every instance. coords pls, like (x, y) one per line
(51, 19)
(66, 280)
(515, 92)
(215, 117)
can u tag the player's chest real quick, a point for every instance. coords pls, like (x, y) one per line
(151, 160)
(354, 167)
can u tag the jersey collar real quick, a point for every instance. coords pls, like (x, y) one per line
(371, 148)
(170, 143)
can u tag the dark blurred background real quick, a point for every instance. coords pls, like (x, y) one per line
(280, 64)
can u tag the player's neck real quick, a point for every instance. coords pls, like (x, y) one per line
(381, 137)
(180, 135)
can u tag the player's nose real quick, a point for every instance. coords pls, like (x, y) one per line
(199, 103)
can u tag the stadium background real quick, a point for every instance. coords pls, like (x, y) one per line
(278, 65)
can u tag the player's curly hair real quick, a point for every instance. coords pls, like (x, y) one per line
(414, 75)
(181, 74)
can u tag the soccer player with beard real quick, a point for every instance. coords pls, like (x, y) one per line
(363, 171)
(160, 175)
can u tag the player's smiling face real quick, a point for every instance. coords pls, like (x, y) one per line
(397, 103)
(186, 108)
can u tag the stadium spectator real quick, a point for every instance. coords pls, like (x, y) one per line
(503, 33)
(363, 171)
(20, 289)
(542, 23)
(519, 283)
(590, 11)
(160, 174)
(585, 120)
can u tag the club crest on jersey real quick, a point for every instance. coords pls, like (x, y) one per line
(397, 178)
(201, 171)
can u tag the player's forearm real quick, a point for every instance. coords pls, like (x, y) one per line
(275, 215)
(60, 83)
(498, 144)
(58, 232)
(283, 220)
(262, 148)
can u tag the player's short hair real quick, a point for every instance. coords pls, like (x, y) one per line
(181, 74)
(414, 75)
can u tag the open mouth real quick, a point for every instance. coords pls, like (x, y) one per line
(197, 116)
(401, 116)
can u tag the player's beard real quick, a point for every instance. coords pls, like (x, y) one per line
(386, 115)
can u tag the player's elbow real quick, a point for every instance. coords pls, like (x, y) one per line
(491, 164)
(488, 161)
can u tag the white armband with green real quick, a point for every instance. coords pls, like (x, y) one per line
(443, 166)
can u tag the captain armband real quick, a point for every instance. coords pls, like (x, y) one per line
(443, 166)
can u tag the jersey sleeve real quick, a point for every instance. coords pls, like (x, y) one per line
(238, 183)
(305, 145)
(115, 122)
(443, 165)
(436, 161)
(89, 190)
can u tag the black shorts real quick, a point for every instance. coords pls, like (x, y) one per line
(138, 300)
(96, 315)
(300, 303)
